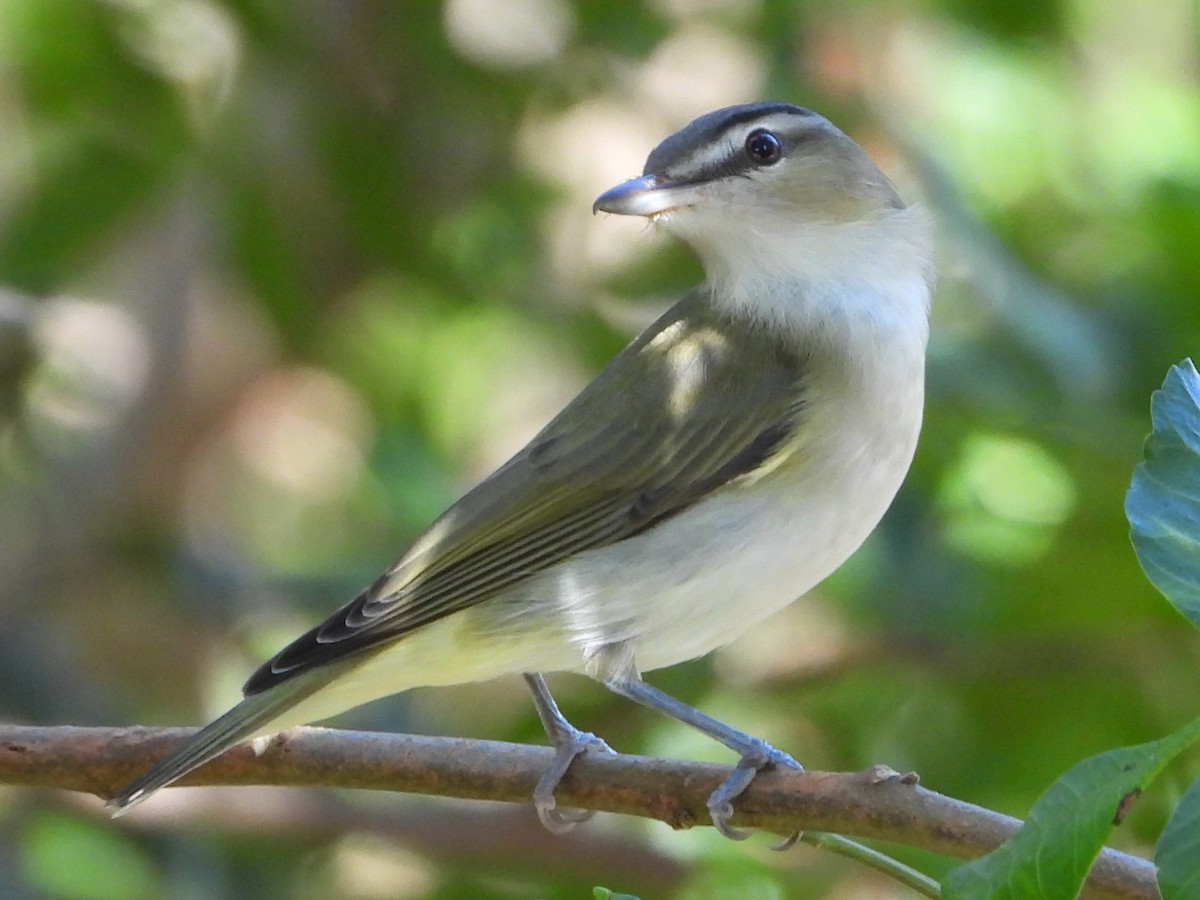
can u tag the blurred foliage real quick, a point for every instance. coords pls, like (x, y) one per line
(278, 281)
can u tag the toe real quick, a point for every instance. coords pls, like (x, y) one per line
(720, 804)
(571, 745)
(721, 813)
(788, 842)
(554, 821)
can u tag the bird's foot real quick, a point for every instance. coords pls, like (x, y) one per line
(720, 803)
(569, 743)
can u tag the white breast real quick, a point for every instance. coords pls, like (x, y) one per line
(680, 591)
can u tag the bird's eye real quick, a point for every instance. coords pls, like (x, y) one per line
(764, 147)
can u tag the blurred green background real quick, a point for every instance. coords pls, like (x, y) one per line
(279, 281)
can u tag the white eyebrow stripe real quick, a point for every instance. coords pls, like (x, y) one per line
(718, 153)
(712, 155)
(779, 121)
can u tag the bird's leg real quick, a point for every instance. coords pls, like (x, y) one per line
(756, 754)
(569, 742)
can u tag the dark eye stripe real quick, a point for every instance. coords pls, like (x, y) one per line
(735, 160)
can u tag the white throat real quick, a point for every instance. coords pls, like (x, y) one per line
(873, 275)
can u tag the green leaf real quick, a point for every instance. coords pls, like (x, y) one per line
(1049, 857)
(1163, 504)
(603, 893)
(1179, 848)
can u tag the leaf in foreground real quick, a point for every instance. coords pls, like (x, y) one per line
(1049, 857)
(1179, 849)
(1163, 504)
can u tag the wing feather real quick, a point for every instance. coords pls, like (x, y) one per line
(674, 417)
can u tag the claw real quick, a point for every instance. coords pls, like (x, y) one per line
(720, 820)
(720, 802)
(559, 821)
(568, 746)
(788, 842)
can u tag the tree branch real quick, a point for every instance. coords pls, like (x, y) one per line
(873, 804)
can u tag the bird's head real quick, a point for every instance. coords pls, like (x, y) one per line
(773, 192)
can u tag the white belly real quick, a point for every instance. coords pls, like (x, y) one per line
(736, 558)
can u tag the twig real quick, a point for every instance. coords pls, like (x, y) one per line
(893, 868)
(102, 760)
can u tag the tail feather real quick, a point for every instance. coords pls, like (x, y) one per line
(251, 717)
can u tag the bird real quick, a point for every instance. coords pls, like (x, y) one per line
(723, 464)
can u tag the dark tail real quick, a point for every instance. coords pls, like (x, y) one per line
(245, 720)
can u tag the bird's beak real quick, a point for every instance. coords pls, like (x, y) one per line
(648, 195)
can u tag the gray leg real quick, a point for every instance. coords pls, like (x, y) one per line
(756, 754)
(569, 742)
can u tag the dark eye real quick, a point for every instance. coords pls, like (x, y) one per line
(763, 147)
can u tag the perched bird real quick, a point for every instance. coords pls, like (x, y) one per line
(725, 462)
